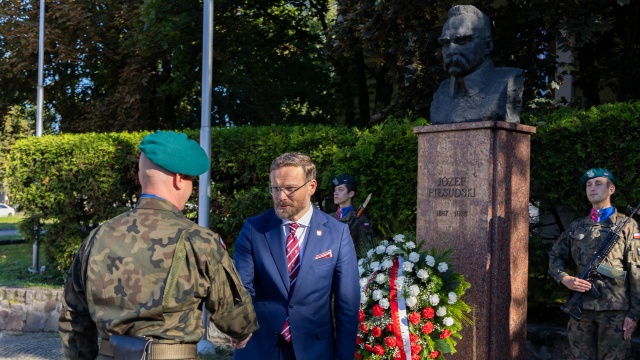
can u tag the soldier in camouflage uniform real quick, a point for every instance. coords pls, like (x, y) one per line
(344, 190)
(117, 283)
(606, 324)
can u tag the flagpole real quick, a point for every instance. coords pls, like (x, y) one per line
(204, 345)
(35, 266)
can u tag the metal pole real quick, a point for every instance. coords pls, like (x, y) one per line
(35, 267)
(204, 345)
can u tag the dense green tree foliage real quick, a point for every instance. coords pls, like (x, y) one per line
(114, 65)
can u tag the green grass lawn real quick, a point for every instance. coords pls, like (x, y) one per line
(9, 222)
(15, 260)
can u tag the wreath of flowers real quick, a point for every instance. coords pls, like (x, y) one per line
(410, 302)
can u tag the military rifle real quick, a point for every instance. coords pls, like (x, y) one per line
(361, 209)
(596, 269)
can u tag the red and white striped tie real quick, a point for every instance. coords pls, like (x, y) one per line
(293, 264)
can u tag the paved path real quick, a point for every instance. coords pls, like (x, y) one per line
(30, 346)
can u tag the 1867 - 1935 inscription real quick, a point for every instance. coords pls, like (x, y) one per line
(451, 187)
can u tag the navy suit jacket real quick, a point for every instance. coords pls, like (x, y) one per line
(260, 257)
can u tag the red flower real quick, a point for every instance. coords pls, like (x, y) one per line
(361, 315)
(416, 357)
(416, 348)
(427, 328)
(377, 310)
(359, 340)
(389, 327)
(363, 327)
(397, 356)
(414, 318)
(358, 356)
(378, 349)
(428, 313)
(376, 331)
(368, 347)
(391, 342)
(445, 334)
(413, 338)
(434, 354)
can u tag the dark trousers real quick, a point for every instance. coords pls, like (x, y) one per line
(283, 350)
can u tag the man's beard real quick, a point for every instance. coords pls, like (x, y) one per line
(288, 213)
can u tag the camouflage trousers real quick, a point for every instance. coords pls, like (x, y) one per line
(599, 336)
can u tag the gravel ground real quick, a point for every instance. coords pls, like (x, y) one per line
(30, 346)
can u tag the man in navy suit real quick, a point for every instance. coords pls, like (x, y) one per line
(299, 265)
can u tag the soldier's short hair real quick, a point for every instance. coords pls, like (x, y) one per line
(298, 160)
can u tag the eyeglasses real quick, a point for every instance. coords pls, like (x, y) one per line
(275, 190)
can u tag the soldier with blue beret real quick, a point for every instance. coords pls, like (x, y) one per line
(607, 322)
(146, 272)
(344, 189)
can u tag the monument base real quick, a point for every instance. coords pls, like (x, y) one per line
(473, 197)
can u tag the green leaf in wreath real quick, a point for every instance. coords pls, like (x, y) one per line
(442, 346)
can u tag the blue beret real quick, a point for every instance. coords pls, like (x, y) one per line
(175, 152)
(594, 173)
(343, 179)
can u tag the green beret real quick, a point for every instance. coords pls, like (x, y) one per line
(594, 173)
(344, 179)
(175, 152)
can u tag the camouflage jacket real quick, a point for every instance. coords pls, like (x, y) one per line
(117, 281)
(578, 244)
(360, 229)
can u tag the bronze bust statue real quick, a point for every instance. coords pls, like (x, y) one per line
(476, 90)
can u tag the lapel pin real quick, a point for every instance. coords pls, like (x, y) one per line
(318, 232)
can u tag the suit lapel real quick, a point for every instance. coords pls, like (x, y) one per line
(317, 235)
(275, 241)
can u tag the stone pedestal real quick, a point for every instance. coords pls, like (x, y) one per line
(473, 196)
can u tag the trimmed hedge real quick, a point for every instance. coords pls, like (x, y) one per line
(68, 184)
(570, 141)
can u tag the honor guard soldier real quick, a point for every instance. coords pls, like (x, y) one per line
(602, 328)
(345, 188)
(146, 272)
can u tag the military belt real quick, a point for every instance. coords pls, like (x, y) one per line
(160, 351)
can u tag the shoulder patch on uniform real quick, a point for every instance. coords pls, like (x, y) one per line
(636, 235)
(224, 246)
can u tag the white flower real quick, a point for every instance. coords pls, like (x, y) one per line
(384, 303)
(414, 290)
(452, 298)
(377, 295)
(442, 267)
(360, 270)
(392, 249)
(380, 249)
(430, 260)
(398, 238)
(407, 266)
(447, 321)
(360, 262)
(381, 278)
(385, 242)
(442, 311)
(411, 301)
(363, 282)
(374, 265)
(423, 274)
(434, 299)
(387, 264)
(370, 253)
(409, 245)
(414, 256)
(363, 298)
